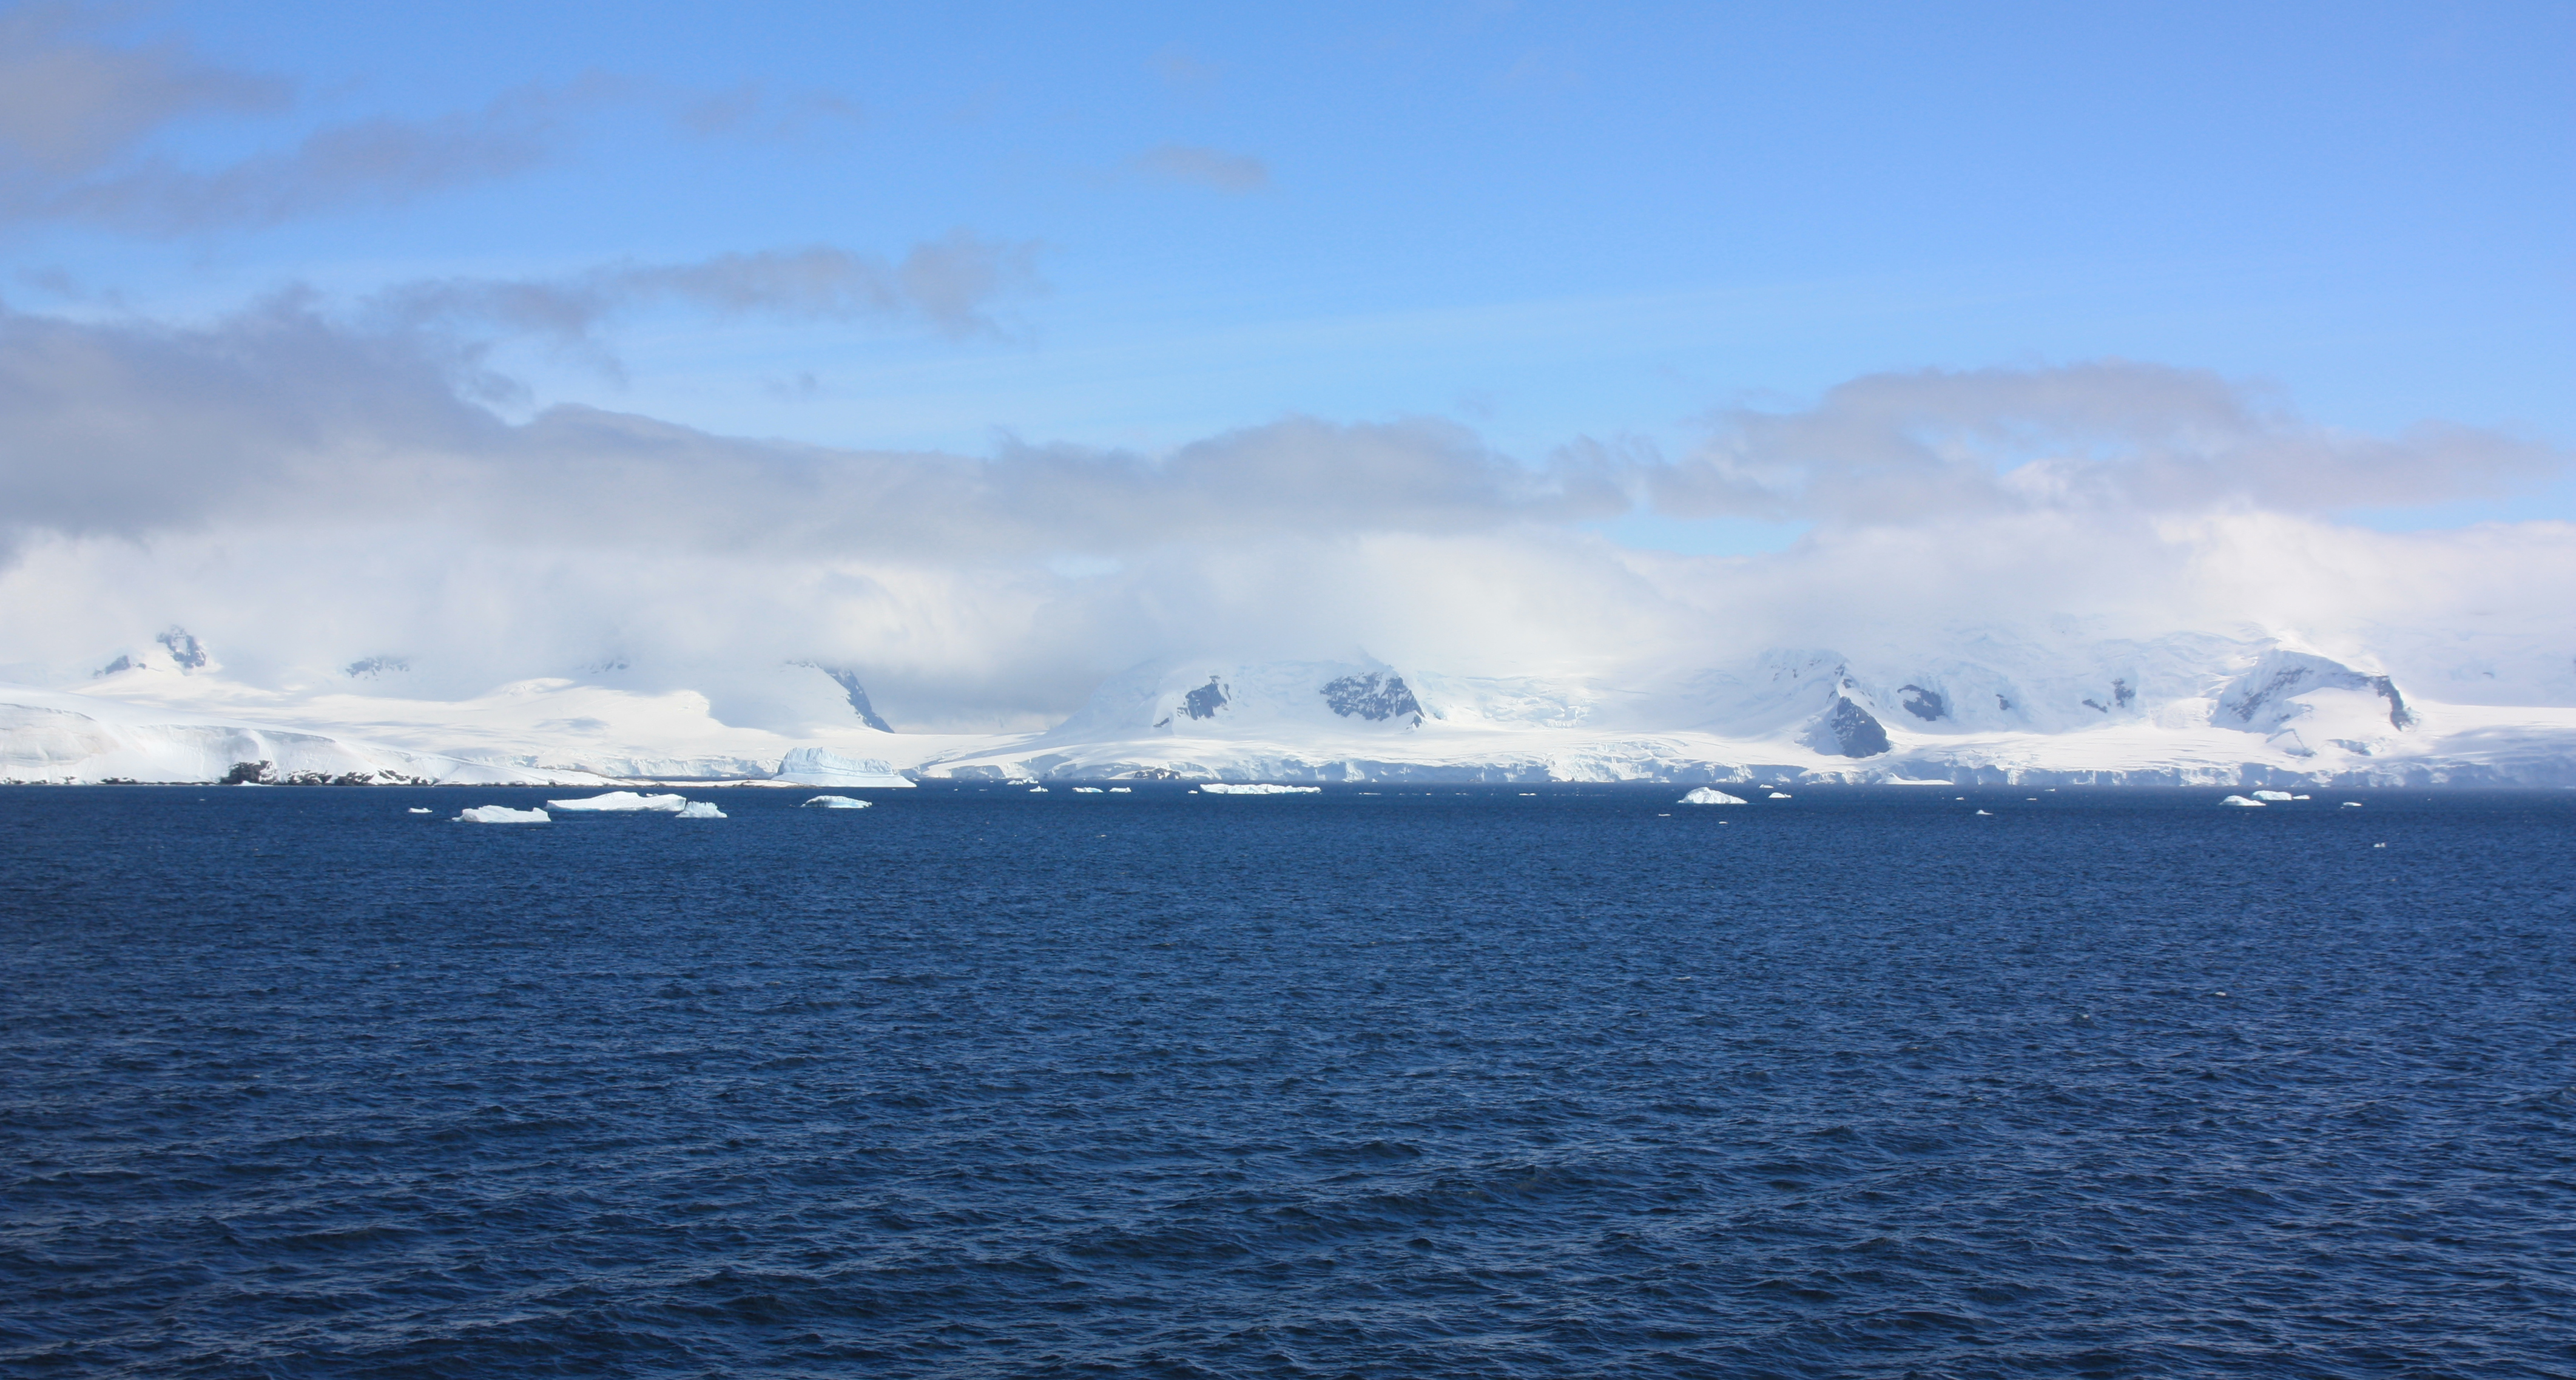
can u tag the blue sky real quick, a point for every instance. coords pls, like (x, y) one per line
(1541, 221)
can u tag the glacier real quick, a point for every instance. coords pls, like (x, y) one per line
(1969, 706)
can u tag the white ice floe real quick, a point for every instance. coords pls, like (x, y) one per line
(2276, 795)
(623, 801)
(1122, 790)
(835, 802)
(1262, 788)
(1037, 790)
(1708, 795)
(503, 814)
(1086, 790)
(420, 809)
(2352, 804)
(1988, 813)
(1779, 795)
(699, 809)
(2240, 800)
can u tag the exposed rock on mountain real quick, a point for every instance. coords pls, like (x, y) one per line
(1374, 697)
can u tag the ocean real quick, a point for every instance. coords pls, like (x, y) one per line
(1395, 1081)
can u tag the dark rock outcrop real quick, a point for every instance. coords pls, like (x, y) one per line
(1848, 730)
(1374, 697)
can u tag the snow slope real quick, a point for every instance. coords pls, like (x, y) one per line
(1980, 705)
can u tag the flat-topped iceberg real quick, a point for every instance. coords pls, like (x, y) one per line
(822, 767)
(624, 801)
(835, 802)
(2242, 801)
(1709, 795)
(2274, 795)
(503, 814)
(1262, 788)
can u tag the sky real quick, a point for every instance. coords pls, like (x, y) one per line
(993, 350)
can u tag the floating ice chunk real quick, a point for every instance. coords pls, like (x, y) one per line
(835, 802)
(700, 809)
(2276, 795)
(1988, 813)
(2240, 800)
(807, 766)
(1263, 788)
(620, 801)
(420, 809)
(1708, 795)
(1779, 795)
(2299, 797)
(1122, 790)
(1037, 790)
(2352, 804)
(1086, 790)
(503, 814)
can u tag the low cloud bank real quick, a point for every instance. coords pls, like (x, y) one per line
(306, 489)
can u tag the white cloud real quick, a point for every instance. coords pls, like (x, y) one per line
(303, 493)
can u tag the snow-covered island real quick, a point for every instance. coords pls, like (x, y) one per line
(1980, 706)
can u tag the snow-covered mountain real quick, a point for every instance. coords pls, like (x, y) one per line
(1989, 707)
(1978, 705)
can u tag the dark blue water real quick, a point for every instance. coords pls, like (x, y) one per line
(2109, 1083)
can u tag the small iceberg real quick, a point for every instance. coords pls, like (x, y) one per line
(1037, 790)
(1263, 788)
(1086, 790)
(1122, 790)
(623, 801)
(1708, 795)
(700, 809)
(2352, 804)
(1988, 813)
(2274, 795)
(1780, 795)
(420, 809)
(835, 802)
(503, 814)
(2242, 801)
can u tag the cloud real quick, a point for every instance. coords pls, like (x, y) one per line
(2110, 436)
(70, 103)
(1179, 67)
(1203, 167)
(304, 491)
(377, 162)
(137, 428)
(954, 283)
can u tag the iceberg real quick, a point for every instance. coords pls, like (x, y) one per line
(2240, 800)
(2274, 795)
(820, 767)
(1779, 795)
(2352, 804)
(1086, 790)
(1263, 788)
(503, 814)
(835, 802)
(1708, 795)
(420, 809)
(1122, 790)
(699, 809)
(623, 801)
